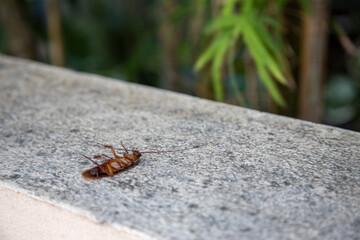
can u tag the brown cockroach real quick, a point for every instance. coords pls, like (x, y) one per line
(118, 163)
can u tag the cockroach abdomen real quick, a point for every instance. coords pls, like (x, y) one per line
(95, 171)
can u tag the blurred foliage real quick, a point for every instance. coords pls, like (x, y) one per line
(342, 88)
(3, 43)
(341, 95)
(251, 25)
(105, 37)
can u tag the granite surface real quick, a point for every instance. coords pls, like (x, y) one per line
(260, 176)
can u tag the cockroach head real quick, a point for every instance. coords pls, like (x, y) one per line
(136, 153)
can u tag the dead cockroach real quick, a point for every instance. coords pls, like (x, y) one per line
(117, 163)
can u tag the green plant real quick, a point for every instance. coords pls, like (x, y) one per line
(257, 26)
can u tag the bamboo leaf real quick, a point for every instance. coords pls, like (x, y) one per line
(247, 6)
(236, 33)
(228, 8)
(222, 23)
(264, 46)
(216, 67)
(207, 55)
(270, 85)
(265, 36)
(270, 21)
(263, 62)
(257, 47)
(254, 45)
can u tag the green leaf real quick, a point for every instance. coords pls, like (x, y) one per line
(206, 56)
(265, 36)
(264, 46)
(228, 8)
(248, 6)
(222, 23)
(258, 48)
(270, 21)
(216, 66)
(263, 61)
(270, 85)
(254, 44)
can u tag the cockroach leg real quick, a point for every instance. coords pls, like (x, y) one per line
(111, 172)
(102, 156)
(112, 150)
(124, 148)
(90, 160)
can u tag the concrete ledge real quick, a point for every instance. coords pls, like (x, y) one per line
(260, 177)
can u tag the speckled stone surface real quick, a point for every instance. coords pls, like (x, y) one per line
(260, 177)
